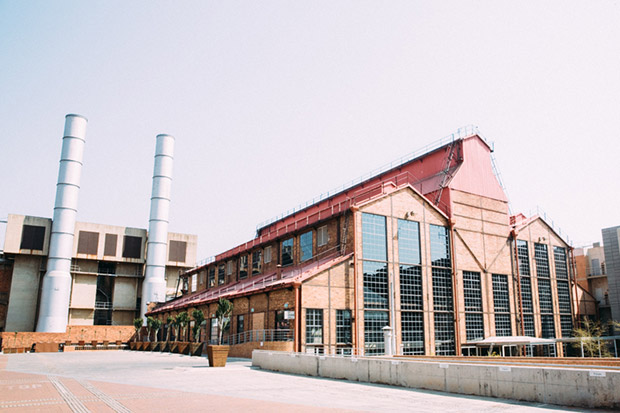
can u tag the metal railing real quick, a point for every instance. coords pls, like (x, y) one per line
(463, 132)
(103, 305)
(256, 336)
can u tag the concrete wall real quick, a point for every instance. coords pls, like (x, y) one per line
(24, 293)
(554, 385)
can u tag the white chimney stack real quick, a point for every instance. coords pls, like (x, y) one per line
(154, 284)
(55, 295)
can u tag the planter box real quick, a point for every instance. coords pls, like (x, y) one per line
(132, 345)
(195, 349)
(154, 346)
(164, 346)
(217, 355)
(94, 343)
(183, 347)
(174, 347)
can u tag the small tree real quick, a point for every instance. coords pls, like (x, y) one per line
(222, 314)
(137, 324)
(199, 318)
(156, 325)
(149, 327)
(182, 319)
(170, 324)
(589, 336)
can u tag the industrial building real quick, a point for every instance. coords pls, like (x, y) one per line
(107, 271)
(59, 272)
(426, 247)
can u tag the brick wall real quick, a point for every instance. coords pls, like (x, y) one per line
(73, 333)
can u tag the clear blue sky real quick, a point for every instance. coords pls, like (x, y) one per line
(275, 102)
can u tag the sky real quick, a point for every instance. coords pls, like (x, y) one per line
(275, 102)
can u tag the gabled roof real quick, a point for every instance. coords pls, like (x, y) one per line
(254, 285)
(521, 225)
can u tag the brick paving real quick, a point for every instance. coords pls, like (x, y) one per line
(123, 381)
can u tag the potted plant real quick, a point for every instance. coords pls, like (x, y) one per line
(196, 347)
(219, 353)
(137, 324)
(182, 319)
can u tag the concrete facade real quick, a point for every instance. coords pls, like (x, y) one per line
(106, 274)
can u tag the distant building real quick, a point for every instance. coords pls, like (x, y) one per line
(611, 241)
(591, 278)
(107, 270)
(426, 247)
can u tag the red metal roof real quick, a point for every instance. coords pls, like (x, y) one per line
(470, 170)
(254, 285)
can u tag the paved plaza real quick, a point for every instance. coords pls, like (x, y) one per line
(124, 381)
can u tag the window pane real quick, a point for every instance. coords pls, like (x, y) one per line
(374, 321)
(474, 327)
(524, 258)
(305, 243)
(287, 252)
(375, 285)
(559, 256)
(408, 242)
(440, 246)
(442, 289)
(256, 264)
(343, 326)
(221, 277)
(374, 242)
(411, 287)
(322, 236)
(472, 291)
(444, 334)
(314, 326)
(412, 325)
(544, 294)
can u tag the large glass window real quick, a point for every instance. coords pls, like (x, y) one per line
(544, 293)
(559, 257)
(542, 260)
(343, 327)
(523, 258)
(442, 290)
(411, 299)
(410, 288)
(305, 244)
(474, 326)
(501, 305)
(314, 326)
(548, 328)
(374, 241)
(287, 252)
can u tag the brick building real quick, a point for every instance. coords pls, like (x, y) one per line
(427, 247)
(106, 270)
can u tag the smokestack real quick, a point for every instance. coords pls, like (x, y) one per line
(154, 284)
(55, 295)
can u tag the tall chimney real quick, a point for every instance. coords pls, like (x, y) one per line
(154, 284)
(55, 294)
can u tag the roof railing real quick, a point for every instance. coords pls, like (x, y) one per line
(462, 132)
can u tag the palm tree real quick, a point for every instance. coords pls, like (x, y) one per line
(156, 325)
(222, 314)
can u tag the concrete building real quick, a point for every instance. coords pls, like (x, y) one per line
(107, 270)
(427, 247)
(611, 241)
(591, 279)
